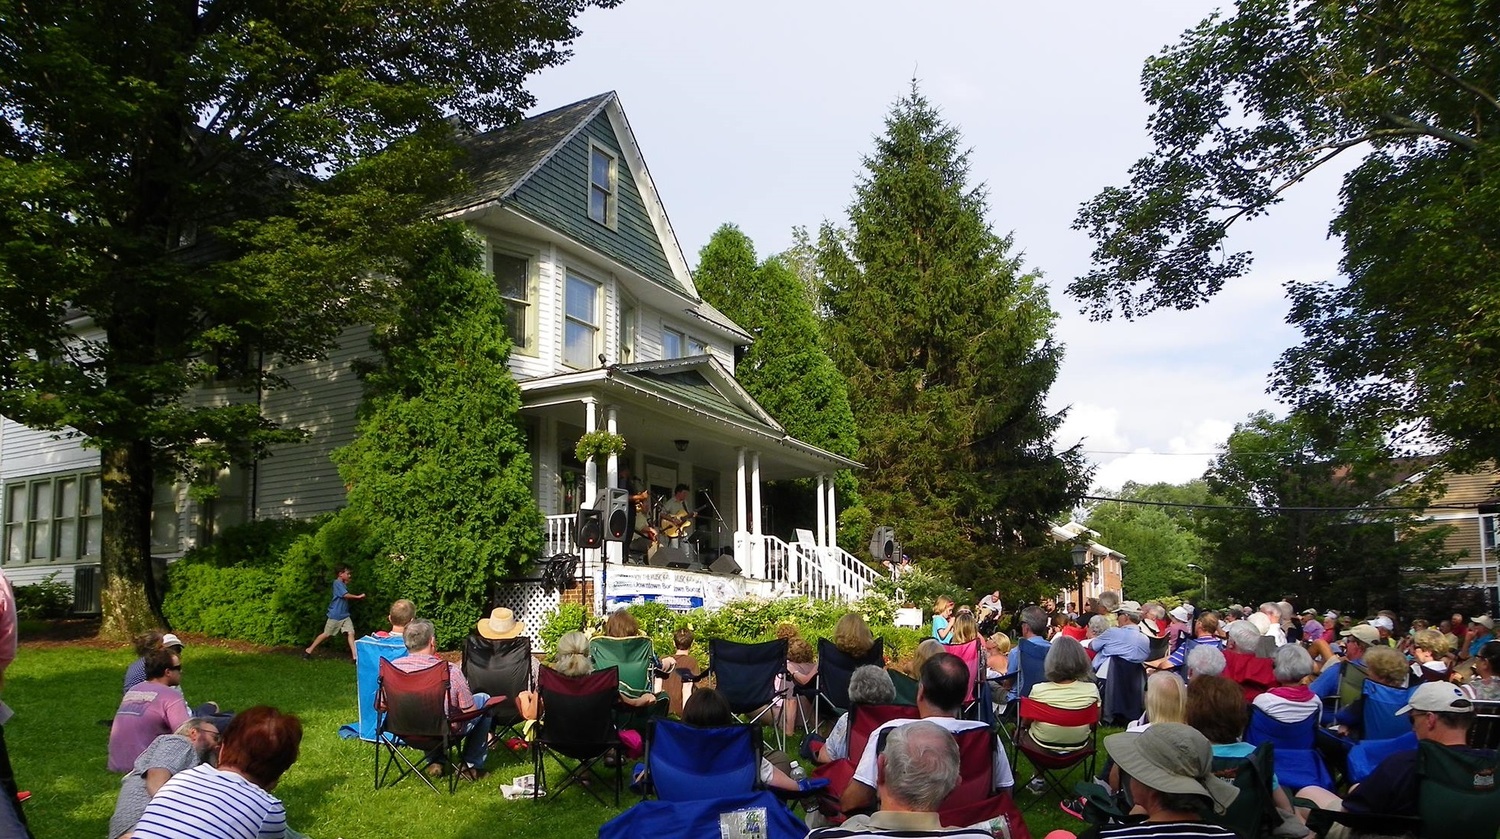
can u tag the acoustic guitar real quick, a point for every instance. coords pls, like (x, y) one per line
(676, 525)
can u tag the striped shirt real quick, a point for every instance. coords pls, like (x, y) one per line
(207, 803)
(1158, 830)
(886, 824)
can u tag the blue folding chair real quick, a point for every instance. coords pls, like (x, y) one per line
(1033, 666)
(1298, 763)
(687, 763)
(1380, 724)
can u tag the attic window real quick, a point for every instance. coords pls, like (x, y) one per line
(601, 186)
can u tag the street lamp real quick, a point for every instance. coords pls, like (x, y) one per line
(1080, 563)
(1205, 582)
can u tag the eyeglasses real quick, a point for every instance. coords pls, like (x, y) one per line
(175, 667)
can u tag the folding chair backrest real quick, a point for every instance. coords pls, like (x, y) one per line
(1381, 704)
(1253, 809)
(687, 763)
(972, 655)
(1158, 648)
(498, 668)
(836, 667)
(1265, 728)
(1124, 691)
(577, 712)
(1368, 754)
(1033, 665)
(1352, 676)
(746, 673)
(906, 687)
(416, 703)
(632, 657)
(1458, 791)
(1485, 733)
(976, 766)
(1034, 711)
(864, 719)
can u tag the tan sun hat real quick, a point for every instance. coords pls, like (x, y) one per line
(501, 624)
(1364, 633)
(1172, 758)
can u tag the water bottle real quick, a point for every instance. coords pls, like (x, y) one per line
(798, 773)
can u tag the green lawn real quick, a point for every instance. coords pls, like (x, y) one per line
(60, 692)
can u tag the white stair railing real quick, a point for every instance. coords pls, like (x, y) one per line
(559, 535)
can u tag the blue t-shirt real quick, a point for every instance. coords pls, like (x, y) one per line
(339, 608)
(939, 627)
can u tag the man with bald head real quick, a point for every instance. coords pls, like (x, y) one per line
(916, 771)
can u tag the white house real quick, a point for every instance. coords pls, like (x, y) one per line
(609, 332)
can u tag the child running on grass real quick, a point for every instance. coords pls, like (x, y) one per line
(338, 613)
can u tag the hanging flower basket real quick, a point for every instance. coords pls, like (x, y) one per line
(600, 445)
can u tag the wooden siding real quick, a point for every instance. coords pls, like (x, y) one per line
(298, 481)
(27, 452)
(557, 195)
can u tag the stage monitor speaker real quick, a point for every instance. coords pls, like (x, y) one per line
(589, 528)
(669, 557)
(883, 544)
(725, 564)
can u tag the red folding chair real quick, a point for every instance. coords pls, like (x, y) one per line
(1051, 765)
(863, 720)
(416, 714)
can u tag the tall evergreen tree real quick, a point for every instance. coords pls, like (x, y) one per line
(439, 476)
(786, 368)
(946, 343)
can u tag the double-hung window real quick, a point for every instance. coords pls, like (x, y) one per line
(602, 171)
(581, 326)
(53, 519)
(513, 279)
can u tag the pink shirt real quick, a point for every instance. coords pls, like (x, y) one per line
(7, 623)
(147, 711)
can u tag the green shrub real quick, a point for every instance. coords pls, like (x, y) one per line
(50, 599)
(569, 617)
(232, 588)
(920, 587)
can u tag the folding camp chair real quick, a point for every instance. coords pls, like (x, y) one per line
(1457, 798)
(1051, 765)
(1031, 670)
(576, 723)
(972, 655)
(746, 675)
(835, 668)
(1379, 723)
(1485, 733)
(1253, 813)
(500, 668)
(863, 721)
(636, 663)
(1124, 692)
(1298, 762)
(686, 763)
(416, 714)
(906, 687)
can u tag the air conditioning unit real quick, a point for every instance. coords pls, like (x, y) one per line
(87, 580)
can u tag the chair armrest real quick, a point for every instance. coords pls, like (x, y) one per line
(465, 716)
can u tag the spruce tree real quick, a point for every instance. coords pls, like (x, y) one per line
(786, 368)
(439, 475)
(946, 344)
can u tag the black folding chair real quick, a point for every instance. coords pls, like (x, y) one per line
(835, 669)
(577, 724)
(746, 675)
(500, 668)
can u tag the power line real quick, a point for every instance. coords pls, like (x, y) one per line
(1287, 509)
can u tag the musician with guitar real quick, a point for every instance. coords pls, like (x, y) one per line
(676, 519)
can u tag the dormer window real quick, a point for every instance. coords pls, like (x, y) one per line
(601, 186)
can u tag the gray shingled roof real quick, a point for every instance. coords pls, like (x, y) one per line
(499, 160)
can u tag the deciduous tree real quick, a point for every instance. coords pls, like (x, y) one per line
(946, 342)
(1246, 106)
(1158, 541)
(185, 186)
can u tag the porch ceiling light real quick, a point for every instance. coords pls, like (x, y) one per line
(681, 445)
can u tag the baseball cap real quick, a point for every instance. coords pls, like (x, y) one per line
(170, 640)
(1129, 606)
(1383, 622)
(1364, 633)
(1441, 697)
(1183, 613)
(1174, 758)
(1484, 620)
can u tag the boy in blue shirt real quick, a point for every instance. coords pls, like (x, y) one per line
(338, 613)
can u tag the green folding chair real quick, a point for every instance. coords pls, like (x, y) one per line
(635, 660)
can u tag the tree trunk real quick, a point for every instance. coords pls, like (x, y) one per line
(130, 600)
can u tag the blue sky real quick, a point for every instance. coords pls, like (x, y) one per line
(759, 113)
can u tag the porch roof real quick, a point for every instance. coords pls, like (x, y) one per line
(694, 399)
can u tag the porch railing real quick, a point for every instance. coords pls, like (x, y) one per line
(814, 572)
(559, 535)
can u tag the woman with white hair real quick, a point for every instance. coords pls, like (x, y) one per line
(870, 685)
(1291, 701)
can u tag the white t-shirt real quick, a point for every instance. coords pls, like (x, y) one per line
(865, 771)
(207, 803)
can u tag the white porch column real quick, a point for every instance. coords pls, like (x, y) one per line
(740, 523)
(818, 501)
(833, 516)
(746, 552)
(591, 468)
(755, 509)
(614, 550)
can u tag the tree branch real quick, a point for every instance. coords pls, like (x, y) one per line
(1454, 137)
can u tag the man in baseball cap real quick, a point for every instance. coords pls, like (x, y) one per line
(1440, 712)
(1357, 639)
